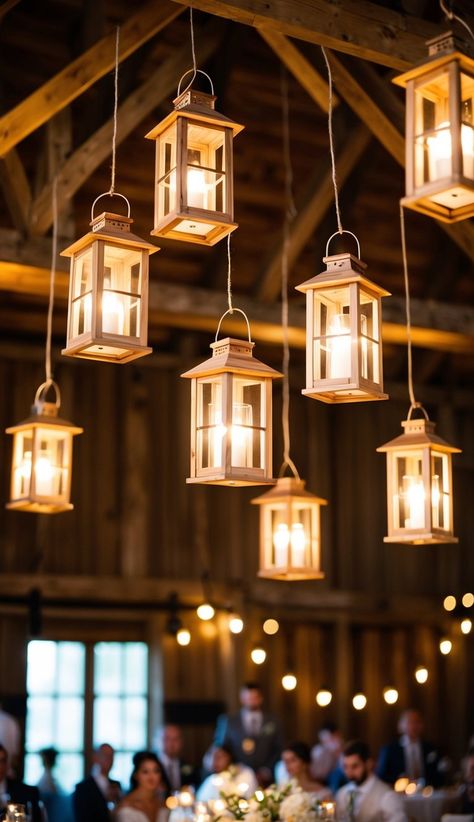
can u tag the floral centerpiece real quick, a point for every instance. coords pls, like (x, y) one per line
(288, 804)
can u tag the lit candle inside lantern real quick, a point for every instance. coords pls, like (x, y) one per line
(241, 436)
(44, 474)
(435, 499)
(298, 545)
(414, 495)
(281, 540)
(440, 151)
(339, 346)
(196, 188)
(113, 315)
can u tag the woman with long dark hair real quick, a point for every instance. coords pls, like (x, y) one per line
(147, 789)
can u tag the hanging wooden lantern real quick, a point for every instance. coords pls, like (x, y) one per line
(343, 332)
(290, 531)
(108, 291)
(419, 485)
(231, 416)
(440, 132)
(194, 198)
(42, 458)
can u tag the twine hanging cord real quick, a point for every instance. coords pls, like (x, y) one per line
(452, 16)
(331, 143)
(114, 134)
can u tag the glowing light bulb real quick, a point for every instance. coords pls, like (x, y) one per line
(449, 603)
(271, 626)
(324, 697)
(466, 626)
(289, 682)
(359, 701)
(205, 611)
(183, 637)
(445, 646)
(390, 695)
(236, 624)
(258, 656)
(468, 600)
(339, 347)
(421, 675)
(414, 494)
(113, 315)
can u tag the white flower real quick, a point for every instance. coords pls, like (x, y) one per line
(298, 807)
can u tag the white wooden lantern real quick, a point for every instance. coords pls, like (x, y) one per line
(42, 458)
(108, 292)
(290, 531)
(440, 132)
(231, 416)
(419, 485)
(343, 333)
(194, 198)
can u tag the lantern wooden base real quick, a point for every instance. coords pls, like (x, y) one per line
(342, 393)
(36, 507)
(425, 539)
(288, 574)
(203, 227)
(230, 480)
(425, 203)
(104, 350)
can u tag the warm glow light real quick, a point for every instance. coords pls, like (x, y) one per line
(445, 646)
(171, 802)
(217, 806)
(44, 474)
(183, 637)
(236, 624)
(259, 796)
(411, 788)
(440, 152)
(113, 315)
(401, 784)
(271, 626)
(359, 701)
(258, 656)
(449, 603)
(466, 626)
(390, 695)
(205, 611)
(289, 682)
(196, 188)
(421, 675)
(186, 799)
(296, 539)
(323, 697)
(414, 495)
(339, 346)
(468, 600)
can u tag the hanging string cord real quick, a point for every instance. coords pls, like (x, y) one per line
(54, 250)
(290, 213)
(411, 392)
(114, 135)
(452, 16)
(229, 277)
(331, 143)
(193, 52)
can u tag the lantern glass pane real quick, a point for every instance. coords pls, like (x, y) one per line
(22, 457)
(467, 124)
(433, 153)
(206, 168)
(166, 172)
(409, 492)
(210, 428)
(369, 337)
(291, 534)
(82, 293)
(248, 423)
(52, 450)
(440, 491)
(121, 294)
(332, 334)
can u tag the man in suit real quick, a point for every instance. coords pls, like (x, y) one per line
(95, 796)
(253, 734)
(365, 798)
(170, 749)
(410, 755)
(13, 791)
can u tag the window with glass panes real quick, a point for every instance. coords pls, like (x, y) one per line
(65, 713)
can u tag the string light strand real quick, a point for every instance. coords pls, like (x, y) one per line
(52, 276)
(452, 16)
(331, 143)
(114, 134)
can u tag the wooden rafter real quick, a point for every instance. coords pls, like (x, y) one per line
(138, 105)
(16, 189)
(357, 27)
(82, 73)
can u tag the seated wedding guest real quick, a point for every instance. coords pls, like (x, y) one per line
(57, 803)
(96, 795)
(10, 738)
(467, 788)
(170, 749)
(410, 755)
(252, 733)
(148, 788)
(366, 798)
(326, 757)
(297, 761)
(227, 776)
(47, 783)
(11, 790)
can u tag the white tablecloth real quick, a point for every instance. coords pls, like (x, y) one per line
(419, 808)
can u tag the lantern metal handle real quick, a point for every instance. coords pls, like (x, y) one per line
(230, 311)
(108, 194)
(344, 231)
(194, 72)
(417, 406)
(43, 389)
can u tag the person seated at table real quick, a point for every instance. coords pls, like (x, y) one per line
(93, 797)
(410, 755)
(467, 788)
(145, 801)
(227, 777)
(297, 761)
(178, 772)
(11, 790)
(326, 757)
(366, 798)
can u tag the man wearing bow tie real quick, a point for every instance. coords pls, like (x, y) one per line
(365, 798)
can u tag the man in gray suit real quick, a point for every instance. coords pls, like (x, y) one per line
(252, 734)
(366, 798)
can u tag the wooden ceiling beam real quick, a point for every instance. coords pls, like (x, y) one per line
(138, 105)
(319, 199)
(365, 30)
(16, 189)
(83, 72)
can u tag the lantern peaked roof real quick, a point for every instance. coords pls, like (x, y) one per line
(112, 228)
(44, 415)
(441, 50)
(418, 433)
(194, 105)
(342, 269)
(232, 356)
(288, 487)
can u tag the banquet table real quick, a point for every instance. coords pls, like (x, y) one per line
(422, 808)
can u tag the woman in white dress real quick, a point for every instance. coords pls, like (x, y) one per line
(297, 760)
(227, 777)
(144, 803)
